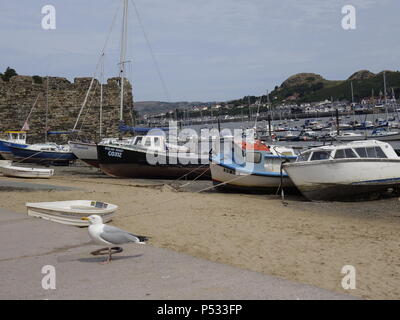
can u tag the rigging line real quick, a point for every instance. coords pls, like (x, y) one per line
(30, 112)
(97, 68)
(190, 182)
(90, 105)
(191, 171)
(166, 92)
(223, 183)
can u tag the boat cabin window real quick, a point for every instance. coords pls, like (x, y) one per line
(380, 153)
(157, 141)
(350, 153)
(138, 141)
(371, 152)
(362, 152)
(147, 143)
(254, 157)
(304, 156)
(340, 154)
(320, 155)
(345, 154)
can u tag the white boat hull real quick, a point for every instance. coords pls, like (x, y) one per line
(385, 137)
(345, 178)
(233, 179)
(86, 152)
(22, 172)
(351, 138)
(70, 212)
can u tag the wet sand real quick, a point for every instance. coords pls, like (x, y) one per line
(301, 241)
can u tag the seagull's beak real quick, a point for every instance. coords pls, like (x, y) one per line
(85, 218)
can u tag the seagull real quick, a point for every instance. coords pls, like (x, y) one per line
(109, 235)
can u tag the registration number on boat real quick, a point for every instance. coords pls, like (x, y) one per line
(99, 204)
(117, 153)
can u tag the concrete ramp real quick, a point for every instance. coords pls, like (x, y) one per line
(139, 272)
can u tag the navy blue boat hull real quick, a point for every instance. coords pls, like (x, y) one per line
(28, 155)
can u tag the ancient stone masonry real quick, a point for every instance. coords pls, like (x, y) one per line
(64, 100)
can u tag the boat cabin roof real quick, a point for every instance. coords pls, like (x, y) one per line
(372, 149)
(15, 136)
(149, 142)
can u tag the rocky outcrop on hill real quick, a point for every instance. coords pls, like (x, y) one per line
(302, 78)
(361, 75)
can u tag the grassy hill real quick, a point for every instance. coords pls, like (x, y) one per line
(362, 88)
(310, 87)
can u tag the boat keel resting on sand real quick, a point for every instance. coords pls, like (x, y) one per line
(346, 172)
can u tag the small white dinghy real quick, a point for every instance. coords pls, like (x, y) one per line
(71, 212)
(22, 172)
(8, 170)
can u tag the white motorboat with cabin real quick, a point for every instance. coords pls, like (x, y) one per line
(346, 172)
(348, 136)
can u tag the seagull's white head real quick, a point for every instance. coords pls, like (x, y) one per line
(93, 219)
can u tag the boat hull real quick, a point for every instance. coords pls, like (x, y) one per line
(5, 151)
(21, 172)
(345, 179)
(351, 138)
(28, 155)
(125, 163)
(385, 137)
(63, 219)
(70, 216)
(87, 152)
(229, 179)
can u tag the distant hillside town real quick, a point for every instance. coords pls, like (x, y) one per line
(300, 96)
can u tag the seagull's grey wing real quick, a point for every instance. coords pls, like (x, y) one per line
(115, 235)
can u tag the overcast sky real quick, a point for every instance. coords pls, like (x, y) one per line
(207, 50)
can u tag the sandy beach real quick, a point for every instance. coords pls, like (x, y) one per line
(302, 241)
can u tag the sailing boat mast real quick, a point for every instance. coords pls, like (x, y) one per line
(384, 86)
(123, 56)
(385, 93)
(47, 110)
(101, 97)
(352, 93)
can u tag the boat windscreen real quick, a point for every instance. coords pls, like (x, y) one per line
(320, 155)
(253, 157)
(303, 157)
(371, 152)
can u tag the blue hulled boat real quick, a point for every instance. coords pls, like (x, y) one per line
(45, 153)
(254, 168)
